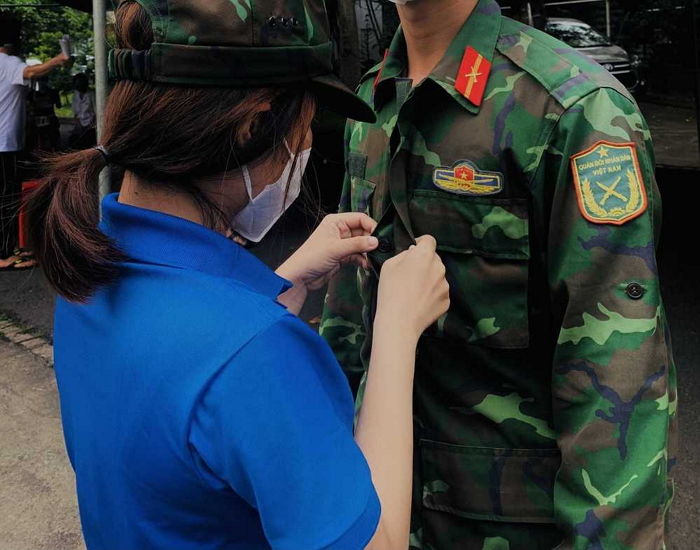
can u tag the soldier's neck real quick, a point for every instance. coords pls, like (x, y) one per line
(429, 27)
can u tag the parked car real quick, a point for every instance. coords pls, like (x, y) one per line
(587, 40)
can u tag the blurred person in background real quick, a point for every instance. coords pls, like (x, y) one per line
(43, 126)
(84, 133)
(15, 77)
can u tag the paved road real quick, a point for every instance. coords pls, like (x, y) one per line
(37, 499)
(24, 296)
(675, 134)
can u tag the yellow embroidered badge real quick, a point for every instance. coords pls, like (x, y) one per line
(609, 183)
(465, 178)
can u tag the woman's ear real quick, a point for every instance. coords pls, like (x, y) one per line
(248, 125)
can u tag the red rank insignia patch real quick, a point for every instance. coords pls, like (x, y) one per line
(473, 76)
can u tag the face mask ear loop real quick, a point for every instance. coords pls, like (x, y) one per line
(248, 182)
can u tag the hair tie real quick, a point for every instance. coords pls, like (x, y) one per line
(103, 151)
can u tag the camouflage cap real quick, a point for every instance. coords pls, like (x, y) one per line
(240, 43)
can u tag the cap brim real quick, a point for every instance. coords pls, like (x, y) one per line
(332, 93)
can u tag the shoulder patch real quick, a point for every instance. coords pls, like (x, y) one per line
(465, 178)
(609, 183)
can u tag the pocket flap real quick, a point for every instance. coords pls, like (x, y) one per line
(357, 164)
(509, 485)
(486, 226)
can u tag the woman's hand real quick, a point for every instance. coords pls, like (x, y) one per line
(413, 291)
(339, 239)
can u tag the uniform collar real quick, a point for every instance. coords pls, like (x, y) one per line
(480, 31)
(155, 238)
(393, 67)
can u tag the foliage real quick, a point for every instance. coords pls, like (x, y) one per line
(66, 109)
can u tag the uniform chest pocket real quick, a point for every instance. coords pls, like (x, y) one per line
(361, 190)
(484, 243)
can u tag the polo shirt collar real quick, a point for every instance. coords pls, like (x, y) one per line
(149, 237)
(480, 31)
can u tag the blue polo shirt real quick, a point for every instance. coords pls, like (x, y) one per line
(198, 413)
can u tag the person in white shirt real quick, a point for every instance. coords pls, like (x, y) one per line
(84, 134)
(15, 77)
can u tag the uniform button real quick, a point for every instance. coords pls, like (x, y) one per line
(635, 291)
(385, 246)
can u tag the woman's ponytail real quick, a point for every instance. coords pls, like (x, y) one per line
(76, 257)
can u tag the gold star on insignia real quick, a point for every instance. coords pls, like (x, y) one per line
(603, 152)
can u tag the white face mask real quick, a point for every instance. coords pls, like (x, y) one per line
(400, 2)
(263, 211)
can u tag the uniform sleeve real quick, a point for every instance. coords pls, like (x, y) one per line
(613, 384)
(276, 427)
(342, 324)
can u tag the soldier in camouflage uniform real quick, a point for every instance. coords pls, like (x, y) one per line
(545, 400)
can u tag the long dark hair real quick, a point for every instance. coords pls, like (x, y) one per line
(165, 135)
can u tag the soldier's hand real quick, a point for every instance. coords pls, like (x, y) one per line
(339, 239)
(413, 290)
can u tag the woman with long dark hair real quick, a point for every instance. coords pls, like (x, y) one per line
(198, 410)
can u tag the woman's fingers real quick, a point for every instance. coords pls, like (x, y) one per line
(412, 286)
(357, 223)
(428, 242)
(345, 248)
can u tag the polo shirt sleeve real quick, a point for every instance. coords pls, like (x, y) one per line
(12, 70)
(276, 427)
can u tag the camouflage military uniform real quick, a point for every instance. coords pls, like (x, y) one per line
(545, 400)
